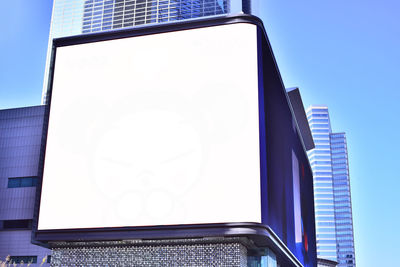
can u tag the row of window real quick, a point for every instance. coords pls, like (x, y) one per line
(347, 238)
(99, 4)
(337, 167)
(342, 204)
(324, 208)
(338, 153)
(324, 201)
(98, 1)
(323, 179)
(327, 253)
(25, 141)
(323, 190)
(319, 125)
(325, 224)
(338, 141)
(324, 137)
(342, 195)
(325, 242)
(339, 156)
(321, 162)
(338, 146)
(323, 110)
(15, 224)
(25, 259)
(340, 161)
(314, 120)
(322, 173)
(119, 10)
(316, 156)
(323, 184)
(320, 131)
(338, 135)
(343, 216)
(321, 168)
(343, 209)
(340, 178)
(21, 122)
(324, 115)
(22, 182)
(21, 131)
(341, 183)
(326, 230)
(325, 212)
(318, 146)
(345, 229)
(97, 21)
(341, 188)
(324, 195)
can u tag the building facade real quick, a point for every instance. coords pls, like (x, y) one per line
(333, 210)
(20, 141)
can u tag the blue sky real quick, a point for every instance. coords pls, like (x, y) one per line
(344, 54)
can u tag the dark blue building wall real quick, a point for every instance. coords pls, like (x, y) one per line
(20, 145)
(20, 140)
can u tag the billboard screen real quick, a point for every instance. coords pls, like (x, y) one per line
(159, 129)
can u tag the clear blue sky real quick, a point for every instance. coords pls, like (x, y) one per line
(345, 54)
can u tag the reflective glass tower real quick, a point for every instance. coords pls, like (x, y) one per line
(100, 15)
(333, 212)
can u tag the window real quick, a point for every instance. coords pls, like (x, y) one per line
(22, 182)
(323, 110)
(319, 125)
(23, 259)
(322, 146)
(17, 224)
(320, 130)
(322, 168)
(321, 162)
(318, 120)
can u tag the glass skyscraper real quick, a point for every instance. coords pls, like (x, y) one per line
(333, 211)
(74, 17)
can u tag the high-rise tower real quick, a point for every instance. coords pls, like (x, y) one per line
(333, 211)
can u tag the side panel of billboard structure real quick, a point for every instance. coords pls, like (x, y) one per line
(289, 205)
(175, 133)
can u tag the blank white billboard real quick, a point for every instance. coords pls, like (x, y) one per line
(160, 129)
